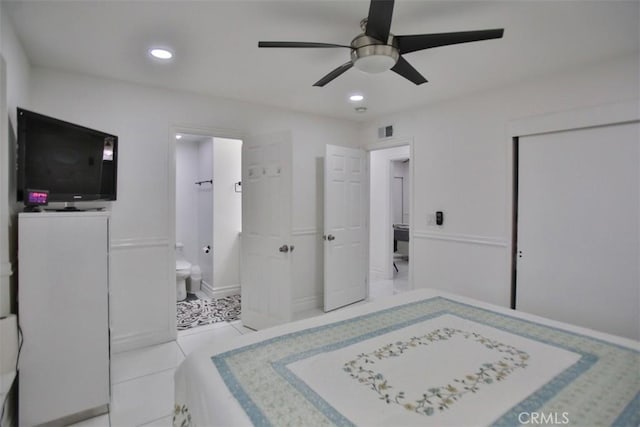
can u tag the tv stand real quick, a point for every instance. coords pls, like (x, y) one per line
(63, 308)
(69, 209)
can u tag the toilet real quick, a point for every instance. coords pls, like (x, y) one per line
(183, 270)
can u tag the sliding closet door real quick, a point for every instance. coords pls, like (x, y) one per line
(578, 234)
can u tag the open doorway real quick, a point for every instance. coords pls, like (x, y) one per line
(389, 219)
(208, 220)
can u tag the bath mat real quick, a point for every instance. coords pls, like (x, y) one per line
(190, 297)
(206, 311)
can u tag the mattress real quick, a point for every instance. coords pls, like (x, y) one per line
(418, 358)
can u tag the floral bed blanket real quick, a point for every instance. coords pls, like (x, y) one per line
(421, 358)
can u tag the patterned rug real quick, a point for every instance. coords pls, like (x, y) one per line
(197, 312)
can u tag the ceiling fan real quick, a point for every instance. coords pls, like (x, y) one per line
(377, 50)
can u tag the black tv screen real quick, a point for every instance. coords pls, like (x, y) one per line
(72, 162)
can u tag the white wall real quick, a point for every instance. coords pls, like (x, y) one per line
(14, 92)
(187, 159)
(308, 207)
(142, 231)
(380, 221)
(462, 162)
(227, 214)
(194, 203)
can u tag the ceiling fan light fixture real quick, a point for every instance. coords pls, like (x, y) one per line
(371, 56)
(375, 64)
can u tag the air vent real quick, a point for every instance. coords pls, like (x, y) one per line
(385, 132)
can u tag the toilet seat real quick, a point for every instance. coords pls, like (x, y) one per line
(183, 265)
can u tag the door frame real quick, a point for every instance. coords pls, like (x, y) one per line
(192, 129)
(583, 118)
(383, 145)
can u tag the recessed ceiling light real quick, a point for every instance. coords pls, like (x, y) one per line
(161, 53)
(178, 136)
(356, 98)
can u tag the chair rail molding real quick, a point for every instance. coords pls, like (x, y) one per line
(311, 231)
(461, 238)
(139, 242)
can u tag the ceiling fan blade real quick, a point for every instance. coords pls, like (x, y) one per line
(412, 43)
(379, 19)
(299, 44)
(407, 71)
(333, 74)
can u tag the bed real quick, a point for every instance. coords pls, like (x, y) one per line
(417, 358)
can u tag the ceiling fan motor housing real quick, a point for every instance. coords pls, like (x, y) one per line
(373, 56)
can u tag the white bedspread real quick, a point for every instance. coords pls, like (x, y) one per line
(420, 358)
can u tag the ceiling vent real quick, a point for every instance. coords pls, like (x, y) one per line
(385, 132)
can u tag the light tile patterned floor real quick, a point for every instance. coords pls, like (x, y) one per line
(142, 380)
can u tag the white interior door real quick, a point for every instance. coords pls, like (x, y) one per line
(345, 231)
(266, 230)
(578, 234)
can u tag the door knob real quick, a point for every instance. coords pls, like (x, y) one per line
(284, 248)
(331, 237)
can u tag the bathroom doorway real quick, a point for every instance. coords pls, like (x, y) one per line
(194, 210)
(208, 221)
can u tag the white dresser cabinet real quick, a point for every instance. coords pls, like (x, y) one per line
(64, 315)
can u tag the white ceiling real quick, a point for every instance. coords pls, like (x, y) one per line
(215, 44)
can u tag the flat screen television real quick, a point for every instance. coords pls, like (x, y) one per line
(73, 163)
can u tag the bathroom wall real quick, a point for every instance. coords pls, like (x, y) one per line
(227, 215)
(194, 203)
(187, 197)
(204, 222)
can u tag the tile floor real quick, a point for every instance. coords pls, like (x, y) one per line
(399, 283)
(142, 380)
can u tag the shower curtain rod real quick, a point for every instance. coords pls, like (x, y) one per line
(210, 181)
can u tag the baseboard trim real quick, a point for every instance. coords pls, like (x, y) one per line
(222, 292)
(140, 340)
(81, 416)
(306, 303)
